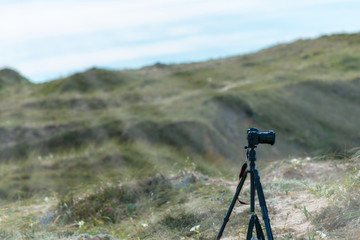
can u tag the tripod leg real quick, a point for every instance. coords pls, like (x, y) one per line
(263, 205)
(259, 231)
(226, 219)
(251, 227)
(254, 220)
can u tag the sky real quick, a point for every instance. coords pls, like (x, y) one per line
(48, 39)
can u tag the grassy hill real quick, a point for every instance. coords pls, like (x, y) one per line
(9, 77)
(66, 136)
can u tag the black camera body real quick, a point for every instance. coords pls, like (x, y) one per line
(255, 137)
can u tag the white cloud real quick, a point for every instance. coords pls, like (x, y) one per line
(55, 36)
(81, 60)
(31, 20)
(39, 19)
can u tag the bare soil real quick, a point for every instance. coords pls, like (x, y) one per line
(291, 212)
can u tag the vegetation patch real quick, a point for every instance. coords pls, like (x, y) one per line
(187, 135)
(50, 139)
(347, 63)
(343, 215)
(233, 103)
(116, 203)
(180, 221)
(90, 81)
(78, 104)
(9, 77)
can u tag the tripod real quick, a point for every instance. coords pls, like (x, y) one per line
(255, 185)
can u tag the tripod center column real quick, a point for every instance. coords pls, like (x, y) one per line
(252, 158)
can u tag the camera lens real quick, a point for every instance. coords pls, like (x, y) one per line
(267, 137)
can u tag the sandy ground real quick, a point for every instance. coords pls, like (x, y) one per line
(290, 213)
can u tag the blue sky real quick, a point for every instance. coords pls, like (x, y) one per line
(45, 40)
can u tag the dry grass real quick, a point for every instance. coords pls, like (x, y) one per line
(168, 207)
(67, 137)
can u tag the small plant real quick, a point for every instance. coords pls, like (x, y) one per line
(196, 229)
(30, 235)
(306, 213)
(311, 236)
(287, 216)
(190, 166)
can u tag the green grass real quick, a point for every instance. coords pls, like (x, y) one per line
(68, 135)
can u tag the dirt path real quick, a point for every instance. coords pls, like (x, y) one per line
(235, 85)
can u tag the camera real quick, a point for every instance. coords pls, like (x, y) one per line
(255, 137)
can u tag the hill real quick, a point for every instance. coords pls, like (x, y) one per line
(290, 87)
(307, 91)
(67, 135)
(9, 77)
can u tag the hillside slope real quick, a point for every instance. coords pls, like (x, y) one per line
(9, 77)
(151, 153)
(136, 123)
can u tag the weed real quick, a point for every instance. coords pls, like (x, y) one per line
(311, 236)
(287, 216)
(307, 213)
